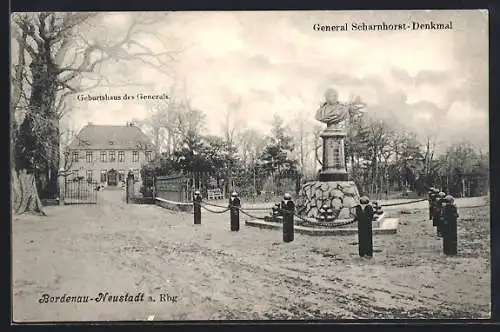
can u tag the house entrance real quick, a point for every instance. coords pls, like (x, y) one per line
(112, 177)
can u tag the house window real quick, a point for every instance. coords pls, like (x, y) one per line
(121, 173)
(121, 156)
(135, 156)
(103, 156)
(112, 156)
(103, 176)
(75, 156)
(89, 156)
(148, 155)
(89, 176)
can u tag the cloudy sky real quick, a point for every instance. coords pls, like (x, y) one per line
(431, 82)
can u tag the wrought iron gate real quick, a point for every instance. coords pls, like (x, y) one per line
(80, 191)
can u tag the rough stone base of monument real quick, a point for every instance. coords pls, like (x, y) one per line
(383, 226)
(340, 196)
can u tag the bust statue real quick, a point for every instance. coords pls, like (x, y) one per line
(332, 112)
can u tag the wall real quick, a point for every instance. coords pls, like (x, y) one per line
(172, 189)
(172, 206)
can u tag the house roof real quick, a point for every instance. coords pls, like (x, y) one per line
(111, 137)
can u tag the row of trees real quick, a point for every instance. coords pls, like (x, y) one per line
(384, 157)
(243, 160)
(381, 157)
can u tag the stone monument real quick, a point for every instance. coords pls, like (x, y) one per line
(333, 194)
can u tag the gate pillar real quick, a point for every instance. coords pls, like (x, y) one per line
(62, 183)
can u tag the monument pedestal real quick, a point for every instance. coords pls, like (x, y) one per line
(333, 168)
(332, 190)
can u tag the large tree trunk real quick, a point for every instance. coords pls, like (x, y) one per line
(42, 127)
(24, 194)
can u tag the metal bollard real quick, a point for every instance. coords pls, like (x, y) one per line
(197, 207)
(440, 213)
(234, 205)
(430, 199)
(450, 238)
(364, 216)
(288, 209)
(449, 227)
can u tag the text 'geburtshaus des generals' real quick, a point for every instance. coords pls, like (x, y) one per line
(124, 97)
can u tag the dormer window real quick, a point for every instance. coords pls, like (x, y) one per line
(111, 142)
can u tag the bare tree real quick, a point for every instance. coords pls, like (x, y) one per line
(68, 135)
(429, 152)
(306, 135)
(158, 124)
(251, 143)
(230, 132)
(378, 141)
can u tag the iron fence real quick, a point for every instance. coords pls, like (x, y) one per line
(80, 191)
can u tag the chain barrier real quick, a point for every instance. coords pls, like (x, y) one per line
(213, 211)
(250, 215)
(299, 217)
(404, 203)
(247, 208)
(425, 199)
(474, 206)
(214, 205)
(258, 209)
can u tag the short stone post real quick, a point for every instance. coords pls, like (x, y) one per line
(431, 195)
(440, 213)
(62, 185)
(449, 227)
(364, 217)
(287, 210)
(197, 207)
(234, 205)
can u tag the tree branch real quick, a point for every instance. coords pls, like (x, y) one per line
(120, 51)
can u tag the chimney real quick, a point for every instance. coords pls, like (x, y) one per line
(90, 123)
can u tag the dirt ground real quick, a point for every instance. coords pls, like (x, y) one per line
(211, 273)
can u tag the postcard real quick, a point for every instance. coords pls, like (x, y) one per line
(260, 165)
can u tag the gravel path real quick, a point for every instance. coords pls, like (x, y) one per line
(209, 272)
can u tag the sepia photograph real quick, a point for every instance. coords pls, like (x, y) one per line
(261, 165)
